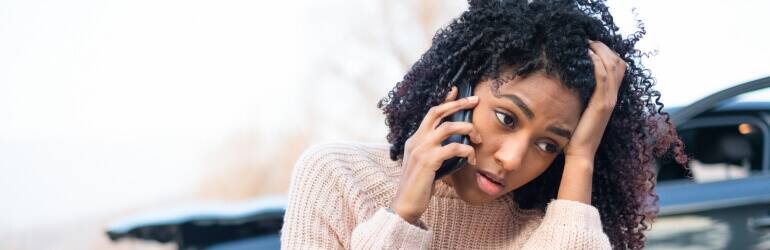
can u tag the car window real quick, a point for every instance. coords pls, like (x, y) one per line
(717, 153)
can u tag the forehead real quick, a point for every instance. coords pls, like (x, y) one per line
(547, 98)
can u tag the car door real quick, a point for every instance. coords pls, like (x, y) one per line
(722, 200)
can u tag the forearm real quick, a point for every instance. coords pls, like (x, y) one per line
(577, 180)
(569, 225)
(387, 230)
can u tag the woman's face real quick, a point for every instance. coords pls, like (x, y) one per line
(523, 128)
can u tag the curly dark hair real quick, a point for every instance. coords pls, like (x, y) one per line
(518, 37)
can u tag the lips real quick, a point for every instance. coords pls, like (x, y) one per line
(492, 177)
(489, 183)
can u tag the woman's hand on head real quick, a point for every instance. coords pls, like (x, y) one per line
(579, 154)
(609, 69)
(424, 154)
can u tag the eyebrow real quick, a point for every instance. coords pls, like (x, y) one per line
(560, 132)
(523, 106)
(528, 112)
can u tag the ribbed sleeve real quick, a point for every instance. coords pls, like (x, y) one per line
(313, 218)
(569, 225)
(386, 230)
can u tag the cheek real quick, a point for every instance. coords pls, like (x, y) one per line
(533, 167)
(485, 122)
(478, 117)
(485, 127)
(485, 151)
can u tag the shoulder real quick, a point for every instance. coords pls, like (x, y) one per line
(345, 167)
(346, 151)
(332, 188)
(346, 157)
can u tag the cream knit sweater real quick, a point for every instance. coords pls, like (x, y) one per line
(339, 193)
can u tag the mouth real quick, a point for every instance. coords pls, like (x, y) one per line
(488, 182)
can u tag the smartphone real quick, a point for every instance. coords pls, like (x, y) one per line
(465, 89)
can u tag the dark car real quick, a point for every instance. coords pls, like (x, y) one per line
(720, 201)
(251, 224)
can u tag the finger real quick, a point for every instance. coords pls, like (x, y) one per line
(450, 108)
(599, 71)
(475, 136)
(451, 95)
(455, 150)
(613, 64)
(447, 129)
(604, 52)
(606, 91)
(438, 112)
(603, 96)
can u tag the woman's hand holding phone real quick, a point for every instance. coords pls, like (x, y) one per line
(424, 154)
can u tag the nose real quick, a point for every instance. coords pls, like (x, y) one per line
(511, 153)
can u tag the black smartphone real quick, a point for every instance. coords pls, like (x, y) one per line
(465, 89)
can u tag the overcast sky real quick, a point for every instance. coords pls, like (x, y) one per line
(703, 46)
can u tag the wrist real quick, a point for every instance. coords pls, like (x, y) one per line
(577, 178)
(405, 216)
(579, 161)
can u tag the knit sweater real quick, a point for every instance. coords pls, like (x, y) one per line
(339, 194)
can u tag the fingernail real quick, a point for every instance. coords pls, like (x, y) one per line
(473, 98)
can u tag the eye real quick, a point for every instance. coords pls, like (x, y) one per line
(548, 147)
(505, 119)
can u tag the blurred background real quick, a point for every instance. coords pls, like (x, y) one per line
(109, 108)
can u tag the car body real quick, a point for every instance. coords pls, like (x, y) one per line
(722, 199)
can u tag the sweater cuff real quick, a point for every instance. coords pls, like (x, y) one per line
(574, 214)
(386, 230)
(420, 224)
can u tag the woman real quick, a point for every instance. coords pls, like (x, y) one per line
(564, 131)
